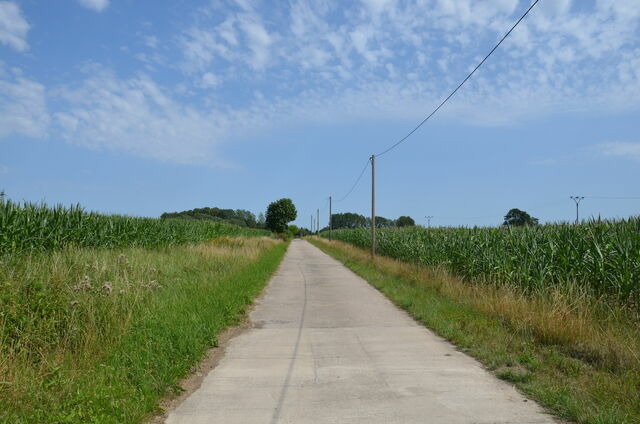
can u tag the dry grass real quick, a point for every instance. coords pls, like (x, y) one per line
(583, 326)
(234, 247)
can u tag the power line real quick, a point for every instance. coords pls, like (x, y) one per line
(461, 84)
(612, 198)
(356, 183)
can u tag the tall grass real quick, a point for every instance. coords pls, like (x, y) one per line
(602, 257)
(37, 227)
(100, 335)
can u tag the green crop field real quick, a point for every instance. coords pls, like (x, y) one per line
(31, 227)
(601, 257)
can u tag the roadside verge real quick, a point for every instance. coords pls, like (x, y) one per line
(101, 335)
(482, 321)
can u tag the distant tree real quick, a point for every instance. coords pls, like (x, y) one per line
(294, 231)
(517, 218)
(239, 217)
(405, 221)
(305, 232)
(348, 220)
(261, 220)
(382, 222)
(354, 220)
(279, 214)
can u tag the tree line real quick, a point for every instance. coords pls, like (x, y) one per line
(239, 217)
(354, 220)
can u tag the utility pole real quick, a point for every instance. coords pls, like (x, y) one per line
(318, 222)
(429, 220)
(311, 227)
(373, 205)
(330, 223)
(577, 199)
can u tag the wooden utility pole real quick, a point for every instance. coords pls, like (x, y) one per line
(373, 205)
(318, 221)
(330, 223)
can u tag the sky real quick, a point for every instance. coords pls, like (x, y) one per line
(140, 107)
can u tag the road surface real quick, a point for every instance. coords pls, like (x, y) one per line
(326, 347)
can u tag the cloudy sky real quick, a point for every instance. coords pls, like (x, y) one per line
(140, 107)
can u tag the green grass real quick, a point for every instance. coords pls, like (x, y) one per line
(603, 257)
(101, 335)
(30, 228)
(494, 325)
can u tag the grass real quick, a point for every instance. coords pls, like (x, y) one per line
(576, 356)
(602, 257)
(101, 335)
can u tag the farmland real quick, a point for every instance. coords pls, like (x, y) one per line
(599, 258)
(37, 227)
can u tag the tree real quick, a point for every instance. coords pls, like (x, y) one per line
(405, 221)
(348, 220)
(382, 222)
(279, 214)
(240, 217)
(261, 220)
(517, 218)
(294, 231)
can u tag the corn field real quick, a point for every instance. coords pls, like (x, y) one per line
(36, 227)
(601, 256)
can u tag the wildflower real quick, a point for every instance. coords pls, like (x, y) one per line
(152, 285)
(83, 285)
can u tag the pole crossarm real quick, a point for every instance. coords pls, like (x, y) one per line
(577, 199)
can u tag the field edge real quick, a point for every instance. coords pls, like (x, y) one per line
(569, 388)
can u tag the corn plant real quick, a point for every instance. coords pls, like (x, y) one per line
(601, 256)
(37, 227)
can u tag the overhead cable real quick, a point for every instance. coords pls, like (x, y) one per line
(356, 183)
(459, 85)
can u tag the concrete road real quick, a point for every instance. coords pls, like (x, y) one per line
(326, 347)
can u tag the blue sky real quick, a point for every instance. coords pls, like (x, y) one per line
(142, 107)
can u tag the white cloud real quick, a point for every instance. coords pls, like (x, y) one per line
(258, 41)
(200, 47)
(314, 61)
(209, 80)
(377, 6)
(13, 26)
(97, 5)
(627, 150)
(151, 41)
(23, 109)
(137, 116)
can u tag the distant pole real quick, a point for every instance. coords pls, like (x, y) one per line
(373, 205)
(577, 199)
(311, 227)
(330, 223)
(429, 220)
